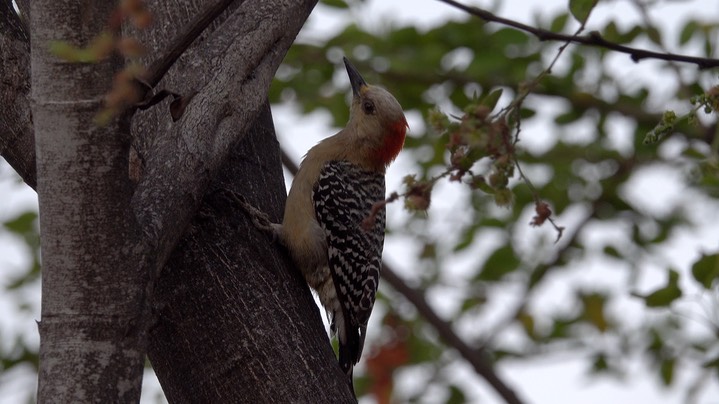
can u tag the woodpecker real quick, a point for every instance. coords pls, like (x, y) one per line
(338, 183)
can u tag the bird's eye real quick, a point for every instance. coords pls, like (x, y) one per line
(368, 107)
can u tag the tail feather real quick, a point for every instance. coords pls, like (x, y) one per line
(350, 349)
(362, 334)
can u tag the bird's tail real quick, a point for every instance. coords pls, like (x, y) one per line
(350, 349)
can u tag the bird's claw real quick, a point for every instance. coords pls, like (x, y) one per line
(259, 218)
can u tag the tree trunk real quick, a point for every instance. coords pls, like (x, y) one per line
(237, 322)
(231, 320)
(90, 273)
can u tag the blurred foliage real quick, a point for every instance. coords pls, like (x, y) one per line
(459, 76)
(18, 350)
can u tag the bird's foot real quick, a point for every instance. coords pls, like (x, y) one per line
(259, 218)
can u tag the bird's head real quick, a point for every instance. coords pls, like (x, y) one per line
(376, 118)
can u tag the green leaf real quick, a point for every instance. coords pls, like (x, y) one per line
(612, 252)
(666, 370)
(600, 363)
(64, 50)
(466, 240)
(663, 297)
(630, 35)
(473, 302)
(429, 251)
(508, 36)
(422, 350)
(654, 35)
(594, 310)
(336, 3)
(688, 32)
(580, 9)
(456, 396)
(559, 23)
(611, 32)
(561, 328)
(568, 117)
(694, 153)
(526, 320)
(706, 270)
(526, 113)
(490, 100)
(711, 363)
(499, 264)
(23, 224)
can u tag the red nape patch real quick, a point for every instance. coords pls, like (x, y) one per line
(393, 142)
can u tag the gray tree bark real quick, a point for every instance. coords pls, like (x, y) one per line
(261, 338)
(133, 266)
(90, 271)
(17, 143)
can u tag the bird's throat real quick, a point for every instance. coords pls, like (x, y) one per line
(392, 143)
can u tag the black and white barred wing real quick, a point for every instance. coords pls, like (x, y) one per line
(343, 198)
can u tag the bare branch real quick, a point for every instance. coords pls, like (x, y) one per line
(594, 38)
(477, 357)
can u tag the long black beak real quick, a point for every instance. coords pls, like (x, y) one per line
(356, 81)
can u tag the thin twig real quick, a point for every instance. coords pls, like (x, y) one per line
(537, 275)
(594, 38)
(514, 107)
(540, 271)
(650, 25)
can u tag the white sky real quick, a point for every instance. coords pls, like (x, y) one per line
(552, 380)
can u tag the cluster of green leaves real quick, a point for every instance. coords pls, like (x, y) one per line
(474, 137)
(707, 102)
(462, 66)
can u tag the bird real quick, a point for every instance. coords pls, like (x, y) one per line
(340, 184)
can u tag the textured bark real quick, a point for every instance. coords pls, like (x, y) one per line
(233, 320)
(90, 273)
(231, 72)
(238, 323)
(17, 142)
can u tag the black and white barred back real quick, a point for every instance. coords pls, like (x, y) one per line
(343, 197)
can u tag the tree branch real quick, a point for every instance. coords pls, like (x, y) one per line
(190, 32)
(278, 350)
(594, 39)
(17, 141)
(182, 161)
(477, 357)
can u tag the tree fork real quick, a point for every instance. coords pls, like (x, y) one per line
(237, 322)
